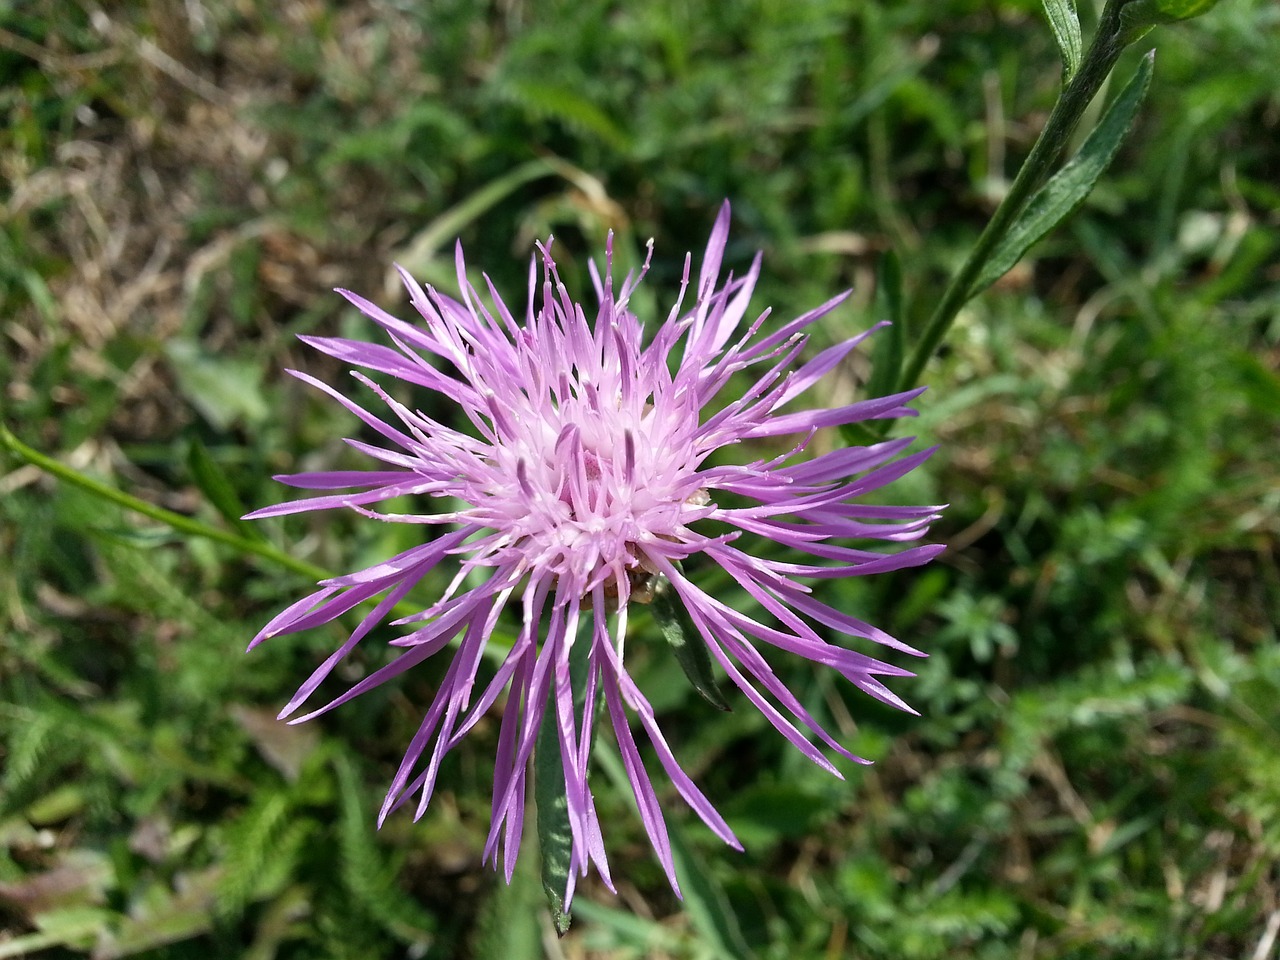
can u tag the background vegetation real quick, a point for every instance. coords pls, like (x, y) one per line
(1096, 771)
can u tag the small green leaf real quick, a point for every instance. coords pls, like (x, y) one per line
(422, 249)
(708, 906)
(711, 913)
(418, 255)
(223, 389)
(690, 651)
(40, 295)
(252, 846)
(368, 876)
(161, 914)
(212, 480)
(1066, 30)
(507, 924)
(1258, 383)
(77, 928)
(1058, 198)
(890, 343)
(570, 107)
(1140, 16)
(555, 838)
(618, 930)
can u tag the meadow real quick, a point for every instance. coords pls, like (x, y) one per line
(1095, 768)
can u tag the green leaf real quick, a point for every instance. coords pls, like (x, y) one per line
(75, 928)
(555, 838)
(1067, 189)
(691, 653)
(422, 249)
(252, 844)
(224, 389)
(161, 914)
(570, 108)
(707, 903)
(41, 297)
(28, 747)
(418, 255)
(890, 343)
(1256, 381)
(212, 480)
(710, 912)
(1066, 30)
(507, 924)
(369, 877)
(1139, 17)
(614, 929)
(790, 807)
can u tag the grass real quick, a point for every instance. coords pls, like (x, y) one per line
(1095, 771)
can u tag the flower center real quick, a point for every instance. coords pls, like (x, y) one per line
(588, 486)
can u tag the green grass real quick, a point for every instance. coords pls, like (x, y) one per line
(1095, 772)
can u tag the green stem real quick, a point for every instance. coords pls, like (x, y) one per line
(177, 521)
(500, 640)
(1108, 43)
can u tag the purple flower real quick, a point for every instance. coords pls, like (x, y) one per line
(585, 472)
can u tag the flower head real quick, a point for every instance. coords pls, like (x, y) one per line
(581, 477)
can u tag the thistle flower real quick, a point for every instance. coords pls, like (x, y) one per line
(581, 478)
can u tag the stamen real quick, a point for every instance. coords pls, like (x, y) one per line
(629, 458)
(522, 478)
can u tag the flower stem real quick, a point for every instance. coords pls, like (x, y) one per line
(1108, 43)
(177, 521)
(501, 640)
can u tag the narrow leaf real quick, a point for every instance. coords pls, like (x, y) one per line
(1184, 9)
(555, 837)
(75, 928)
(570, 107)
(418, 255)
(1058, 198)
(225, 390)
(886, 358)
(507, 924)
(621, 930)
(711, 913)
(1140, 17)
(213, 482)
(439, 231)
(706, 902)
(1066, 30)
(691, 653)
(368, 875)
